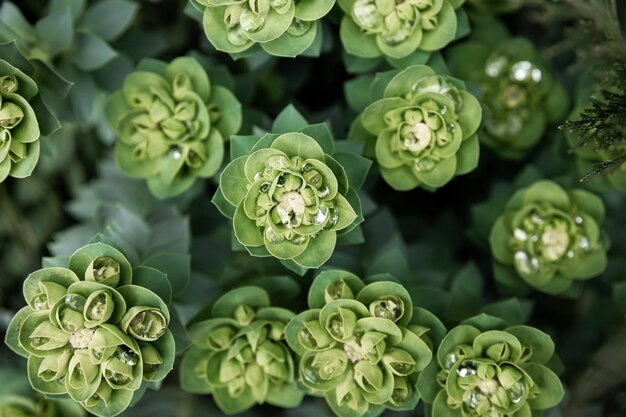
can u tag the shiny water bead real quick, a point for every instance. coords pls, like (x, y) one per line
(366, 14)
(520, 235)
(525, 71)
(495, 65)
(524, 263)
(337, 290)
(148, 324)
(334, 218)
(272, 236)
(116, 378)
(75, 302)
(467, 368)
(323, 192)
(298, 240)
(97, 308)
(278, 162)
(41, 302)
(237, 36)
(450, 360)
(517, 392)
(424, 164)
(320, 216)
(440, 85)
(127, 356)
(265, 187)
(176, 153)
(390, 308)
(251, 21)
(299, 27)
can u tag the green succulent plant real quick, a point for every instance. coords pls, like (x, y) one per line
(289, 198)
(20, 406)
(172, 123)
(491, 373)
(90, 333)
(362, 346)
(549, 238)
(519, 93)
(281, 27)
(240, 356)
(24, 118)
(423, 129)
(396, 29)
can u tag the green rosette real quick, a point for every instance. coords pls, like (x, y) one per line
(23, 115)
(549, 238)
(289, 198)
(491, 373)
(239, 355)
(423, 130)
(171, 123)
(88, 332)
(520, 96)
(284, 28)
(361, 346)
(397, 28)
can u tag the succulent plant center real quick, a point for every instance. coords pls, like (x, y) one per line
(418, 137)
(290, 209)
(81, 338)
(555, 241)
(354, 351)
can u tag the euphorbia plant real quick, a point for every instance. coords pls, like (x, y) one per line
(172, 123)
(362, 346)
(240, 356)
(484, 369)
(288, 197)
(549, 238)
(422, 130)
(92, 334)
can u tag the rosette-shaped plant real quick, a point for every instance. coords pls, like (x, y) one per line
(397, 28)
(289, 198)
(425, 129)
(19, 406)
(90, 333)
(361, 346)
(520, 96)
(494, 373)
(549, 238)
(172, 123)
(281, 27)
(240, 356)
(23, 115)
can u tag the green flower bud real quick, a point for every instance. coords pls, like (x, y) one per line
(171, 124)
(519, 93)
(397, 29)
(91, 341)
(491, 377)
(288, 201)
(21, 115)
(242, 362)
(550, 237)
(361, 357)
(425, 129)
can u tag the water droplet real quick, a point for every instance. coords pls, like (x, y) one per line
(522, 262)
(306, 167)
(41, 302)
(116, 378)
(298, 240)
(466, 369)
(277, 162)
(97, 309)
(520, 235)
(324, 192)
(570, 254)
(281, 181)
(578, 220)
(272, 236)
(534, 237)
(127, 356)
(299, 27)
(366, 14)
(424, 164)
(149, 324)
(495, 65)
(471, 401)
(584, 243)
(517, 392)
(38, 342)
(450, 360)
(443, 110)
(334, 218)
(250, 21)
(75, 302)
(525, 71)
(237, 36)
(265, 187)
(176, 153)
(535, 218)
(441, 85)
(258, 176)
